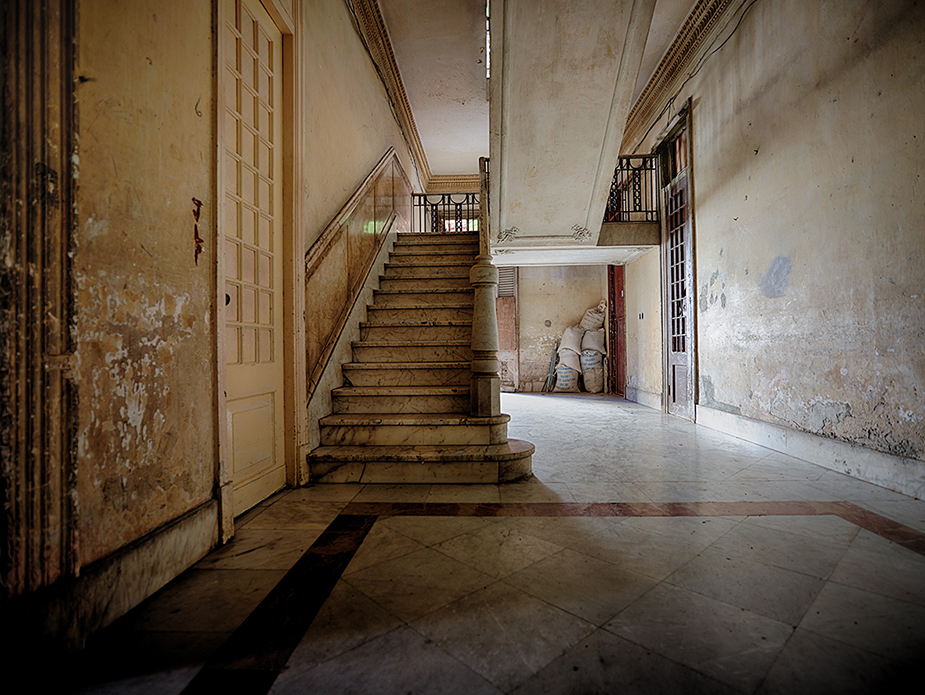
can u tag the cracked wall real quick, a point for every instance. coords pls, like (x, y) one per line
(144, 360)
(809, 146)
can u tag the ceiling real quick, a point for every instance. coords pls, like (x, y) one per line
(564, 76)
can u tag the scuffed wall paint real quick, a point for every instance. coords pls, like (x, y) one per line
(809, 145)
(559, 296)
(643, 325)
(144, 348)
(349, 122)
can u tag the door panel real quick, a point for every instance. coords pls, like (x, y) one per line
(253, 253)
(616, 362)
(679, 274)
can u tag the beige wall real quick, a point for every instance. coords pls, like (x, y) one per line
(559, 295)
(643, 335)
(348, 121)
(144, 354)
(808, 142)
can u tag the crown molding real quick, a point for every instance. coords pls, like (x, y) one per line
(376, 37)
(671, 69)
(456, 183)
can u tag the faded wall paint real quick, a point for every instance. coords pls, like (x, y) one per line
(808, 151)
(348, 120)
(643, 335)
(144, 355)
(559, 295)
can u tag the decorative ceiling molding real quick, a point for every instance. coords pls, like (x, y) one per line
(671, 69)
(376, 37)
(457, 183)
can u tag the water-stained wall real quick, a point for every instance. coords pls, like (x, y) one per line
(808, 152)
(549, 299)
(644, 330)
(348, 119)
(144, 363)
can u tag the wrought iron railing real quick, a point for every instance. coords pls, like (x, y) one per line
(449, 213)
(634, 191)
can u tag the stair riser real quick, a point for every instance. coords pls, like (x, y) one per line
(401, 404)
(384, 435)
(431, 298)
(427, 314)
(408, 377)
(439, 283)
(421, 332)
(412, 353)
(427, 249)
(430, 258)
(429, 238)
(406, 472)
(414, 271)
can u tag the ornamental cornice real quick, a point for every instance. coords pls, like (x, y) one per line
(671, 70)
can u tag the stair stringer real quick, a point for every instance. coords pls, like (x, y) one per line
(320, 400)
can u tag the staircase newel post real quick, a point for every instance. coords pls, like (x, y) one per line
(486, 369)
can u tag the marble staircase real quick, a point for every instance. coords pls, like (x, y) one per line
(403, 413)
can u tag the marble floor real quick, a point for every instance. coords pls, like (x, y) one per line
(648, 555)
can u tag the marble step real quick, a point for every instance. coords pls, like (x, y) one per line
(431, 238)
(424, 268)
(408, 373)
(437, 282)
(417, 330)
(429, 429)
(432, 296)
(401, 399)
(416, 248)
(494, 463)
(412, 351)
(419, 313)
(427, 258)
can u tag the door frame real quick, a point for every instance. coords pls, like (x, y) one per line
(294, 398)
(681, 123)
(616, 328)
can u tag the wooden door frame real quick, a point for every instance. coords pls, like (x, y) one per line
(294, 398)
(682, 122)
(616, 329)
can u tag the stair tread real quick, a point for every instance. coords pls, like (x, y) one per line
(432, 264)
(358, 419)
(401, 390)
(512, 449)
(415, 324)
(392, 307)
(427, 290)
(408, 343)
(409, 365)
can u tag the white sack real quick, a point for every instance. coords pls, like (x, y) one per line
(570, 360)
(571, 340)
(593, 340)
(566, 379)
(594, 380)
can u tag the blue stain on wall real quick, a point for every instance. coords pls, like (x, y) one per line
(774, 283)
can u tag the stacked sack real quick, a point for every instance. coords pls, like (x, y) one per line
(569, 366)
(582, 351)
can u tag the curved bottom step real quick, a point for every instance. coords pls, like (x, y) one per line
(495, 463)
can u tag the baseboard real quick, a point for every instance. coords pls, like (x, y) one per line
(65, 614)
(892, 472)
(646, 398)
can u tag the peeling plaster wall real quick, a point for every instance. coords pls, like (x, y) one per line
(349, 123)
(644, 335)
(559, 295)
(809, 158)
(144, 355)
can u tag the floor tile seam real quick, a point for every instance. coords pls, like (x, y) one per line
(878, 594)
(689, 667)
(836, 637)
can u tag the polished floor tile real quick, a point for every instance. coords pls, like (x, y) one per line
(647, 555)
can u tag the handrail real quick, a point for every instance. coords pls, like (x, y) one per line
(338, 263)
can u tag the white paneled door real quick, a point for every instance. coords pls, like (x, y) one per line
(254, 378)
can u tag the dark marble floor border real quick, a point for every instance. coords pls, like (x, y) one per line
(252, 658)
(876, 523)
